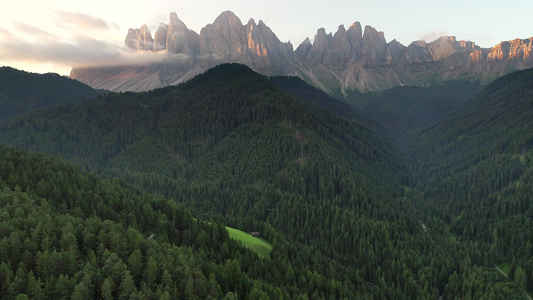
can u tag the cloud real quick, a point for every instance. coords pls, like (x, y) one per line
(76, 51)
(433, 35)
(79, 52)
(81, 21)
(32, 44)
(76, 47)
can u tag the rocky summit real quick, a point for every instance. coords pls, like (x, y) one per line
(350, 59)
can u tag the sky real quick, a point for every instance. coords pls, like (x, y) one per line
(56, 35)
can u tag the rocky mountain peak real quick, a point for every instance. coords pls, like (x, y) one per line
(317, 52)
(160, 37)
(371, 33)
(251, 23)
(256, 39)
(419, 43)
(350, 58)
(146, 41)
(139, 39)
(373, 46)
(356, 26)
(518, 49)
(416, 52)
(265, 49)
(224, 38)
(131, 39)
(227, 20)
(179, 38)
(303, 48)
(307, 41)
(175, 24)
(354, 34)
(394, 52)
(445, 46)
(339, 49)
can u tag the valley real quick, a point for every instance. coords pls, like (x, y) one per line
(409, 192)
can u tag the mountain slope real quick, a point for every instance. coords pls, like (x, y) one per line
(68, 233)
(302, 90)
(401, 110)
(325, 190)
(235, 148)
(476, 171)
(496, 121)
(199, 123)
(21, 92)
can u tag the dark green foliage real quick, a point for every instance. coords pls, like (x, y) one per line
(302, 90)
(476, 172)
(401, 110)
(65, 231)
(68, 233)
(346, 215)
(21, 92)
(235, 148)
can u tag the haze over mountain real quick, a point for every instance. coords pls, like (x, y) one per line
(356, 58)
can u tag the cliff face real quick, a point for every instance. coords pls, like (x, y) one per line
(515, 49)
(349, 59)
(352, 59)
(139, 39)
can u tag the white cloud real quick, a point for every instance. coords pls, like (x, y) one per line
(432, 35)
(80, 51)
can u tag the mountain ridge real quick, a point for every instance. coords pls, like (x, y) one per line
(22, 92)
(350, 59)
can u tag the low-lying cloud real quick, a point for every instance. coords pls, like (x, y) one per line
(80, 51)
(26, 44)
(77, 50)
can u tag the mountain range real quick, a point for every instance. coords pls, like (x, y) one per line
(351, 59)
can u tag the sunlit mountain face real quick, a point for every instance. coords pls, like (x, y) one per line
(354, 59)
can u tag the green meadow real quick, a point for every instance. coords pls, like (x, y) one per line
(260, 246)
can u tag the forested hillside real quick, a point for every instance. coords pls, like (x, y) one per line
(400, 110)
(476, 169)
(66, 233)
(21, 92)
(299, 88)
(472, 171)
(346, 212)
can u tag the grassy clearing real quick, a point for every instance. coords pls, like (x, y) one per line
(260, 246)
